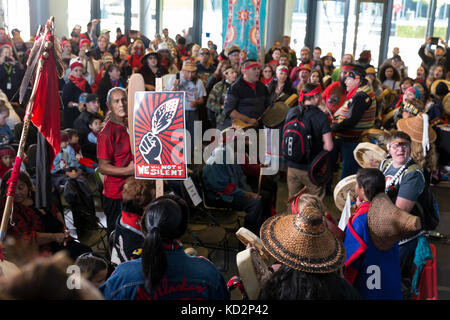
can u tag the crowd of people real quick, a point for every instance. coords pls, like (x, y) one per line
(337, 105)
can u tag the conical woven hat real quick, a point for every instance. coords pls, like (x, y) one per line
(341, 189)
(413, 126)
(446, 104)
(388, 224)
(369, 155)
(381, 136)
(303, 242)
(435, 84)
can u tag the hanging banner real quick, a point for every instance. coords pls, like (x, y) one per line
(159, 136)
(243, 24)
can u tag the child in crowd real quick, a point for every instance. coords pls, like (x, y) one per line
(6, 135)
(372, 264)
(95, 125)
(74, 147)
(7, 154)
(93, 267)
(64, 163)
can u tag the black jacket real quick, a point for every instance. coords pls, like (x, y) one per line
(242, 98)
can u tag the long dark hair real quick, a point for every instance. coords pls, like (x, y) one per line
(291, 284)
(23, 176)
(164, 221)
(382, 75)
(372, 180)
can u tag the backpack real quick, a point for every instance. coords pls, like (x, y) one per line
(297, 138)
(427, 206)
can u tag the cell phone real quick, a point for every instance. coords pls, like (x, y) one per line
(434, 40)
(177, 76)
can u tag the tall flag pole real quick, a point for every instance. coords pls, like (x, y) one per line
(42, 108)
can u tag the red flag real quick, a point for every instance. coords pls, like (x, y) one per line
(45, 114)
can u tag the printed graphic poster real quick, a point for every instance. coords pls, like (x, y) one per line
(159, 132)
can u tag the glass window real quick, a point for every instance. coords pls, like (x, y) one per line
(15, 19)
(441, 19)
(212, 23)
(298, 24)
(369, 30)
(330, 21)
(143, 17)
(178, 17)
(408, 30)
(112, 15)
(77, 16)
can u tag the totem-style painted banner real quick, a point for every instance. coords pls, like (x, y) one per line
(243, 24)
(159, 136)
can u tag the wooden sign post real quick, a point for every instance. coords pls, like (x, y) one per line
(159, 183)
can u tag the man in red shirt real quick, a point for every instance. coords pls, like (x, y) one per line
(115, 160)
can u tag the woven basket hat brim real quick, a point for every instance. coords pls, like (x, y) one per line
(275, 115)
(435, 84)
(366, 151)
(286, 241)
(341, 189)
(414, 128)
(388, 224)
(381, 136)
(446, 104)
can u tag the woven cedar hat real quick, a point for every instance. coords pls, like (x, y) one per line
(231, 49)
(303, 242)
(414, 128)
(381, 137)
(436, 83)
(149, 52)
(388, 224)
(446, 104)
(342, 188)
(367, 154)
(328, 55)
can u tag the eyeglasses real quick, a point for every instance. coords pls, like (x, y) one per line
(204, 53)
(398, 145)
(268, 71)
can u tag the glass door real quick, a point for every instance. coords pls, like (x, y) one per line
(112, 15)
(330, 20)
(369, 22)
(178, 18)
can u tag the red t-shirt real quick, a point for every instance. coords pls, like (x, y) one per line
(113, 144)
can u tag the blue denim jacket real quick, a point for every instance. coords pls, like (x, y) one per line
(186, 277)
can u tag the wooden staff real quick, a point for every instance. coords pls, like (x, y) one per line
(20, 152)
(136, 84)
(159, 183)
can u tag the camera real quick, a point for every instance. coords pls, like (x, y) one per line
(89, 53)
(434, 40)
